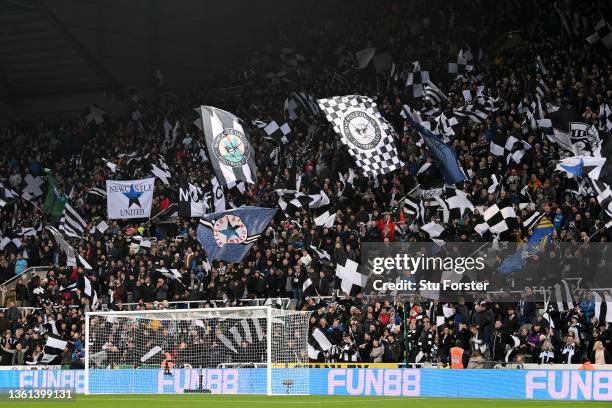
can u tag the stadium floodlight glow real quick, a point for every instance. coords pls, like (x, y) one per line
(239, 350)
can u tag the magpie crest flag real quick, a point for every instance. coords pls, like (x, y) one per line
(229, 146)
(367, 135)
(228, 235)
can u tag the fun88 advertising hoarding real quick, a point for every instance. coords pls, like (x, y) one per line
(508, 384)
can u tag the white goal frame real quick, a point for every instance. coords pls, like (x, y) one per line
(269, 311)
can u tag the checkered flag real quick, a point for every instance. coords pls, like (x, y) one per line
(461, 66)
(511, 147)
(602, 33)
(497, 220)
(416, 81)
(278, 130)
(367, 135)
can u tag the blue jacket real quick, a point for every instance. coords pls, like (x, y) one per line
(588, 308)
(20, 266)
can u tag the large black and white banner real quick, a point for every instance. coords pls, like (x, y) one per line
(129, 198)
(229, 146)
(216, 202)
(365, 132)
(192, 202)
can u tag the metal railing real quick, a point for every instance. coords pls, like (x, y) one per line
(284, 303)
(29, 273)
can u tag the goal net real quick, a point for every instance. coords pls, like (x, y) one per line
(242, 350)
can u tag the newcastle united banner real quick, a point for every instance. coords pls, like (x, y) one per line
(129, 198)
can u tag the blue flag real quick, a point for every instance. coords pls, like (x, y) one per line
(228, 235)
(575, 170)
(536, 243)
(443, 154)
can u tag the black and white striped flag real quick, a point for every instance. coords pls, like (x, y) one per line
(300, 102)
(192, 202)
(416, 208)
(84, 284)
(533, 220)
(541, 88)
(561, 296)
(71, 223)
(72, 257)
(433, 95)
(472, 112)
(97, 191)
(229, 146)
(161, 171)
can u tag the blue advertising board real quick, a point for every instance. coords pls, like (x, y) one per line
(506, 384)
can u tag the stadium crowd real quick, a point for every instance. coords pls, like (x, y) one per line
(360, 328)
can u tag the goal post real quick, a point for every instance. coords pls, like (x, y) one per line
(239, 350)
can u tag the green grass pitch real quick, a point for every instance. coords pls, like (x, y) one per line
(256, 401)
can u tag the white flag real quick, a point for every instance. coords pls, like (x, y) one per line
(129, 198)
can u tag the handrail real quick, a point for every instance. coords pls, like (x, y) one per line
(25, 274)
(29, 269)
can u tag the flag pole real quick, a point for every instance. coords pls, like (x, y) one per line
(408, 193)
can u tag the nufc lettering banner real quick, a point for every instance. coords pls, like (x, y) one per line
(129, 198)
(192, 201)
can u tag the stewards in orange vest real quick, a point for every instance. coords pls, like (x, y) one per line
(586, 365)
(456, 356)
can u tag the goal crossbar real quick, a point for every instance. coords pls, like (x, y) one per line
(232, 337)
